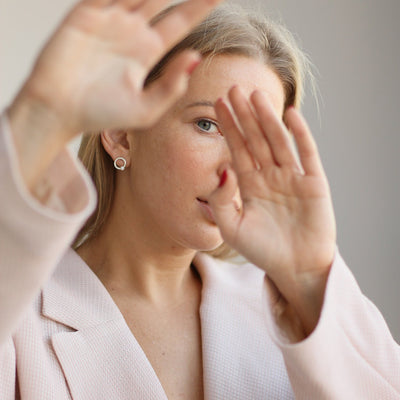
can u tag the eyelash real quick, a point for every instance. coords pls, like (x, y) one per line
(207, 121)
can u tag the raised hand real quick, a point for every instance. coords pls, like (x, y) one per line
(286, 225)
(92, 70)
(90, 75)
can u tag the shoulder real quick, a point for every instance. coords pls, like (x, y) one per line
(75, 297)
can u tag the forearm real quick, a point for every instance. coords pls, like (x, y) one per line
(349, 354)
(296, 299)
(34, 234)
(307, 298)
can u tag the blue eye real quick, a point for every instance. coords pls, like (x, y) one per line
(206, 125)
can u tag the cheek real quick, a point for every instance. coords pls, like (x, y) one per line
(183, 163)
(183, 174)
(181, 166)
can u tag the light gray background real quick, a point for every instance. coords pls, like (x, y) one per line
(354, 46)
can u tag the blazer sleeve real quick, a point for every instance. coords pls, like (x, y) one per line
(35, 230)
(350, 354)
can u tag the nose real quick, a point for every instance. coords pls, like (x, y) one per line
(225, 161)
(225, 156)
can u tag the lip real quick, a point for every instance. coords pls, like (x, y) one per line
(206, 209)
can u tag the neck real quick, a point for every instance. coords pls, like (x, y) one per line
(129, 264)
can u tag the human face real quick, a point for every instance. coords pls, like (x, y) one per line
(177, 163)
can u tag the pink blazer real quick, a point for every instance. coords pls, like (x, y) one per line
(63, 337)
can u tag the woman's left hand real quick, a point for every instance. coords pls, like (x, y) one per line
(286, 224)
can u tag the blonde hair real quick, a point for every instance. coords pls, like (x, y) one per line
(227, 30)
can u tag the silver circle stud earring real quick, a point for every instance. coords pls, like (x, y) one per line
(122, 166)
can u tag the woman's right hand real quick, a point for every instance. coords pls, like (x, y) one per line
(90, 74)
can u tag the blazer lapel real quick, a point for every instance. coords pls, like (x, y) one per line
(240, 361)
(99, 355)
(101, 358)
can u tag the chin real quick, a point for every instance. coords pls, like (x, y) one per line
(210, 248)
(205, 241)
(209, 245)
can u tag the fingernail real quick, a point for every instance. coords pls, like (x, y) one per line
(222, 181)
(192, 67)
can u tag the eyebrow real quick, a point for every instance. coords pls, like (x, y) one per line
(203, 103)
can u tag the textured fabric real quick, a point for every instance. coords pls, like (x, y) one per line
(63, 337)
(350, 354)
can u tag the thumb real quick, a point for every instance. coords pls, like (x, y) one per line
(225, 207)
(172, 84)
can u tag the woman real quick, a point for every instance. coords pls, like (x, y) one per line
(138, 310)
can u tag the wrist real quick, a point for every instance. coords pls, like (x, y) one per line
(38, 136)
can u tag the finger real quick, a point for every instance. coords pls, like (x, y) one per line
(241, 158)
(306, 146)
(147, 8)
(96, 3)
(274, 130)
(150, 8)
(255, 139)
(224, 205)
(175, 25)
(163, 92)
(130, 4)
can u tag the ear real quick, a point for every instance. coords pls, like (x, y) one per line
(117, 143)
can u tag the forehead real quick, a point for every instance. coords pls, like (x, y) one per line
(215, 76)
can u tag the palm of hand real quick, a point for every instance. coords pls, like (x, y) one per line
(287, 210)
(91, 72)
(286, 225)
